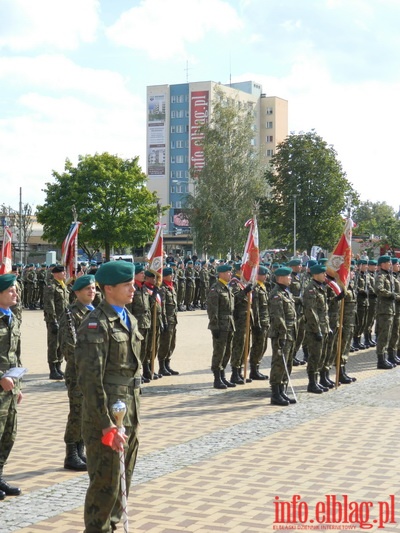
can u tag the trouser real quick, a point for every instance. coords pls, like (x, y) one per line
(394, 337)
(73, 429)
(238, 343)
(300, 333)
(370, 316)
(331, 350)
(347, 339)
(143, 344)
(258, 345)
(384, 325)
(167, 343)
(278, 374)
(54, 354)
(362, 314)
(222, 350)
(316, 351)
(8, 424)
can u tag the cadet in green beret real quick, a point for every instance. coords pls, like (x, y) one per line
(156, 322)
(85, 291)
(394, 337)
(260, 326)
(108, 357)
(204, 284)
(385, 310)
(169, 304)
(10, 388)
(372, 299)
(296, 289)
(362, 290)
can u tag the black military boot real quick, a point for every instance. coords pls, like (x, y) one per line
(218, 384)
(356, 344)
(322, 387)
(2, 495)
(225, 381)
(383, 363)
(344, 379)
(163, 370)
(72, 460)
(346, 374)
(146, 371)
(371, 341)
(80, 447)
(248, 380)
(277, 398)
(282, 392)
(312, 384)
(392, 357)
(168, 367)
(236, 377)
(53, 372)
(256, 374)
(367, 343)
(324, 379)
(7, 489)
(58, 368)
(297, 361)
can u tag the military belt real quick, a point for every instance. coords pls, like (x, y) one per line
(123, 380)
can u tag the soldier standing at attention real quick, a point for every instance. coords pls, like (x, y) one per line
(212, 272)
(181, 282)
(362, 288)
(10, 391)
(108, 357)
(316, 326)
(369, 324)
(84, 289)
(385, 310)
(296, 288)
(349, 319)
(170, 320)
(204, 284)
(55, 301)
(260, 324)
(394, 337)
(282, 332)
(220, 307)
(190, 286)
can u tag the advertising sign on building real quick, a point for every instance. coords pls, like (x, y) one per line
(199, 110)
(156, 135)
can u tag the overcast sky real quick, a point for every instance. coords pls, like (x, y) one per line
(73, 77)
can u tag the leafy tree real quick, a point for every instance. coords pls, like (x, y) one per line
(111, 201)
(372, 218)
(305, 166)
(226, 189)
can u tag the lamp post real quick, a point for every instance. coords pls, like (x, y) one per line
(294, 225)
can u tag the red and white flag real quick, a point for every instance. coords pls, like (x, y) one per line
(156, 254)
(251, 254)
(338, 265)
(6, 256)
(69, 250)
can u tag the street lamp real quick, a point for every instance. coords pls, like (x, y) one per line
(294, 225)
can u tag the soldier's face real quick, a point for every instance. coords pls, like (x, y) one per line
(284, 280)
(87, 294)
(8, 297)
(226, 276)
(120, 294)
(140, 276)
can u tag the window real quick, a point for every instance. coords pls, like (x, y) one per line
(172, 129)
(269, 111)
(180, 129)
(270, 153)
(179, 174)
(172, 173)
(173, 188)
(269, 138)
(172, 144)
(173, 99)
(172, 159)
(173, 114)
(179, 159)
(180, 144)
(268, 125)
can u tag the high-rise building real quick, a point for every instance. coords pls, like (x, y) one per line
(175, 114)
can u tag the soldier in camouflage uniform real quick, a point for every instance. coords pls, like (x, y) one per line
(384, 288)
(372, 299)
(181, 282)
(349, 320)
(296, 289)
(108, 358)
(212, 272)
(31, 280)
(56, 300)
(170, 321)
(190, 286)
(394, 337)
(260, 325)
(156, 320)
(85, 291)
(282, 332)
(41, 282)
(10, 390)
(204, 284)
(362, 288)
(220, 307)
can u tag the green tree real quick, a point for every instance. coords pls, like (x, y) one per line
(372, 218)
(226, 189)
(305, 166)
(111, 201)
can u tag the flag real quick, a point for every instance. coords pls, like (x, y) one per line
(338, 265)
(69, 250)
(155, 255)
(6, 257)
(251, 254)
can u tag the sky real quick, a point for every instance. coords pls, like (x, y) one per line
(73, 78)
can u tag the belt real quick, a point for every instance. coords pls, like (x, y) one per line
(123, 380)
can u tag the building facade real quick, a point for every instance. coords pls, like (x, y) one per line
(175, 114)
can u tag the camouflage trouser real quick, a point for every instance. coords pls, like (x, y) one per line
(149, 349)
(347, 339)
(189, 294)
(300, 333)
(394, 337)
(331, 350)
(30, 297)
(167, 343)
(143, 344)
(316, 351)
(362, 315)
(180, 297)
(54, 354)
(73, 429)
(222, 350)
(371, 316)
(103, 497)
(238, 343)
(278, 373)
(258, 345)
(8, 424)
(384, 325)
(203, 294)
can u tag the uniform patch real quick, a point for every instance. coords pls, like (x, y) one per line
(92, 325)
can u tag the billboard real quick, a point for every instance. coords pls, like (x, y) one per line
(199, 112)
(156, 135)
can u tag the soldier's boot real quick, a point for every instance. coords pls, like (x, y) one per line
(346, 374)
(236, 377)
(217, 380)
(312, 384)
(168, 367)
(146, 371)
(344, 379)
(72, 460)
(53, 372)
(392, 357)
(371, 341)
(81, 450)
(163, 370)
(297, 361)
(324, 380)
(8, 490)
(277, 398)
(248, 380)
(283, 391)
(305, 354)
(256, 374)
(2, 495)
(367, 343)
(58, 368)
(225, 381)
(322, 387)
(383, 363)
(356, 344)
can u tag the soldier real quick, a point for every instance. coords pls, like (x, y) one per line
(296, 289)
(362, 288)
(170, 320)
(204, 284)
(334, 296)
(212, 272)
(156, 320)
(10, 390)
(31, 280)
(220, 307)
(372, 298)
(140, 309)
(181, 282)
(282, 332)
(385, 310)
(349, 320)
(41, 282)
(85, 291)
(196, 297)
(108, 357)
(55, 301)
(190, 286)
(394, 337)
(316, 326)
(260, 325)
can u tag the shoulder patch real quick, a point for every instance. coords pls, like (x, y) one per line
(92, 325)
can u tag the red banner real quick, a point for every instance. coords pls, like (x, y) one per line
(338, 265)
(6, 256)
(251, 255)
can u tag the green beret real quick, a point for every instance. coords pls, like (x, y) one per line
(173, 264)
(283, 271)
(30, 265)
(190, 262)
(93, 262)
(323, 260)
(115, 272)
(267, 263)
(6, 281)
(44, 265)
(317, 269)
(167, 271)
(263, 271)
(82, 282)
(211, 260)
(237, 266)
(149, 274)
(311, 263)
(372, 262)
(139, 267)
(294, 263)
(224, 268)
(394, 260)
(384, 259)
(275, 265)
(362, 262)
(58, 268)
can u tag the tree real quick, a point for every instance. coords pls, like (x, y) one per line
(231, 180)
(111, 201)
(372, 218)
(306, 167)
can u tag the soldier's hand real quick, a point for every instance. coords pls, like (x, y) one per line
(216, 333)
(318, 337)
(248, 288)
(54, 327)
(339, 296)
(282, 343)
(7, 384)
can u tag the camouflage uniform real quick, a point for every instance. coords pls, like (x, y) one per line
(41, 282)
(181, 282)
(212, 274)
(296, 291)
(140, 309)
(190, 287)
(349, 320)
(31, 280)
(239, 337)
(384, 288)
(168, 334)
(56, 300)
(108, 358)
(362, 288)
(259, 330)
(204, 285)
(372, 300)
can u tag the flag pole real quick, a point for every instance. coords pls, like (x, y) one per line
(154, 314)
(339, 347)
(75, 216)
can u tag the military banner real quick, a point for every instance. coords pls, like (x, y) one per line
(5, 254)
